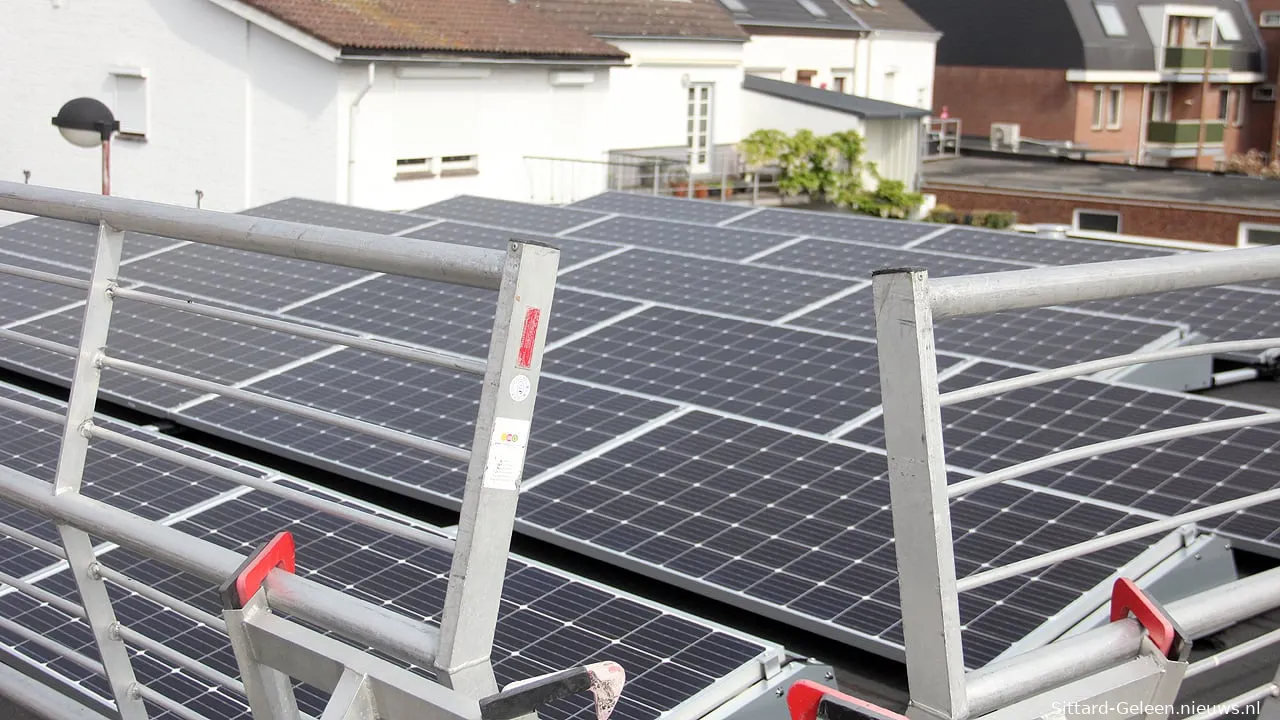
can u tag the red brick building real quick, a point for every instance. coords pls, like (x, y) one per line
(1178, 84)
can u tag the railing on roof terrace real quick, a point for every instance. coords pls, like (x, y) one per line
(458, 651)
(907, 302)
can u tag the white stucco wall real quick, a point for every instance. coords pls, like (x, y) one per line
(501, 114)
(779, 57)
(907, 58)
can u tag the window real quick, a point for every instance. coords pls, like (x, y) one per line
(414, 168)
(130, 106)
(838, 83)
(1264, 93)
(1097, 220)
(734, 5)
(1224, 105)
(1099, 106)
(1227, 28)
(454, 165)
(1256, 234)
(1238, 107)
(1160, 104)
(1112, 23)
(698, 126)
(1115, 107)
(813, 8)
(1269, 19)
(805, 77)
(1189, 31)
(890, 79)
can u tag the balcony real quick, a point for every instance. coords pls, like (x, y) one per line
(1185, 59)
(1184, 132)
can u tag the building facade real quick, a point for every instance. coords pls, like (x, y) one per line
(1121, 81)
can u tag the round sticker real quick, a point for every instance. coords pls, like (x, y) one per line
(519, 388)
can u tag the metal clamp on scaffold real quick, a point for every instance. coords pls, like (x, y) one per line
(603, 679)
(807, 700)
(1127, 597)
(278, 552)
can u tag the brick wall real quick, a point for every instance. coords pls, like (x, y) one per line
(1040, 100)
(1158, 220)
(1263, 113)
(1125, 137)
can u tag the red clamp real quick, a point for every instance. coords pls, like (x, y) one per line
(1127, 597)
(807, 700)
(278, 552)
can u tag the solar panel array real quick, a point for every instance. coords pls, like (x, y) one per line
(550, 620)
(709, 415)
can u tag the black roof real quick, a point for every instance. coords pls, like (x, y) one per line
(1061, 34)
(836, 15)
(840, 102)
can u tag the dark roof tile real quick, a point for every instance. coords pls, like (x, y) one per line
(644, 18)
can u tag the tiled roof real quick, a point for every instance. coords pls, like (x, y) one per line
(644, 18)
(834, 15)
(890, 15)
(482, 27)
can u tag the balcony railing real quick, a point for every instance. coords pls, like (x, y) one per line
(1192, 58)
(1184, 132)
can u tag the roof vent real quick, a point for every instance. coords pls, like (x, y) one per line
(1049, 230)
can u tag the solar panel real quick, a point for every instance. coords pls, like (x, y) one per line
(1221, 313)
(1041, 251)
(507, 214)
(662, 208)
(685, 237)
(1041, 337)
(703, 284)
(790, 377)
(857, 260)
(347, 217)
(21, 298)
(429, 402)
(68, 243)
(839, 226)
(795, 527)
(572, 252)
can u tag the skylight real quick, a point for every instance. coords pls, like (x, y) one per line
(1112, 23)
(813, 8)
(734, 5)
(1227, 27)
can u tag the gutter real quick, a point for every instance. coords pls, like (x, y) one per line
(351, 133)
(449, 60)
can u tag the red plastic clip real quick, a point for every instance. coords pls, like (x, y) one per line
(278, 552)
(807, 700)
(1126, 597)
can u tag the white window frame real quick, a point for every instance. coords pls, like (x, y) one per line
(1224, 106)
(1099, 106)
(691, 135)
(1242, 106)
(1104, 18)
(1168, 99)
(1269, 19)
(1228, 29)
(459, 165)
(1076, 213)
(1242, 234)
(1115, 106)
(133, 125)
(415, 168)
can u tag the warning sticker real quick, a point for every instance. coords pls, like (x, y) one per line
(507, 446)
(528, 336)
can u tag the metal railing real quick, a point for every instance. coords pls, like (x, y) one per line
(907, 303)
(458, 650)
(559, 180)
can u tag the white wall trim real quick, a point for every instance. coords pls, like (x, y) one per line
(278, 27)
(1077, 212)
(1242, 233)
(1113, 76)
(686, 62)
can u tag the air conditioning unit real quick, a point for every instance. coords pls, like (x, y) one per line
(1264, 93)
(1006, 135)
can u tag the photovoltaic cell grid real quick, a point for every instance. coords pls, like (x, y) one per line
(1030, 249)
(1221, 313)
(789, 377)
(507, 214)
(837, 226)
(683, 237)
(801, 528)
(857, 260)
(572, 251)
(346, 217)
(703, 284)
(549, 621)
(426, 401)
(663, 208)
(21, 298)
(70, 244)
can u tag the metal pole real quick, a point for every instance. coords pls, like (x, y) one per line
(918, 492)
(657, 175)
(100, 615)
(497, 462)
(106, 166)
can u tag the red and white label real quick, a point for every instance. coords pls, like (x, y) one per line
(529, 336)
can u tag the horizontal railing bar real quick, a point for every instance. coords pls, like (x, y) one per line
(438, 358)
(1220, 709)
(44, 701)
(313, 502)
(41, 343)
(53, 646)
(1070, 284)
(1044, 462)
(189, 664)
(42, 595)
(1088, 368)
(53, 278)
(360, 621)
(434, 447)
(32, 540)
(169, 704)
(162, 598)
(32, 410)
(1051, 666)
(426, 259)
(1119, 538)
(1232, 654)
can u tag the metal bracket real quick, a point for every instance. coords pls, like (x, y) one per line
(807, 700)
(278, 552)
(603, 679)
(1127, 597)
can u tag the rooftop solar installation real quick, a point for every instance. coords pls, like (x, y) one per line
(549, 619)
(709, 406)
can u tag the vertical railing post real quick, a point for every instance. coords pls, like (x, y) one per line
(1271, 705)
(918, 492)
(70, 475)
(657, 177)
(497, 463)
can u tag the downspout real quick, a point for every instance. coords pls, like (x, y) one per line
(351, 135)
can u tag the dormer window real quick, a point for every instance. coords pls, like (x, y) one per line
(813, 8)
